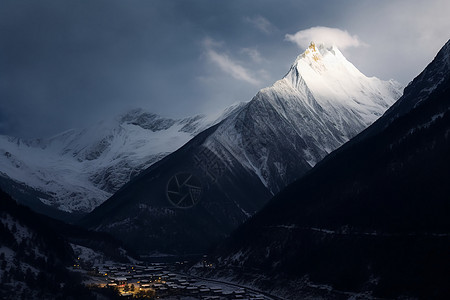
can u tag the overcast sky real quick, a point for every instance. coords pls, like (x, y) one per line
(67, 64)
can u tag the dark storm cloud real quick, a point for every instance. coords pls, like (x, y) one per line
(78, 58)
(70, 63)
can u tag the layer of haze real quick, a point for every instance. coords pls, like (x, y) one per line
(67, 64)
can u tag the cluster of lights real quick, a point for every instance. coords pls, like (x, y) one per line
(77, 264)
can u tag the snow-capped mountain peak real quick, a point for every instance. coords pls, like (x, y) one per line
(338, 86)
(321, 58)
(322, 101)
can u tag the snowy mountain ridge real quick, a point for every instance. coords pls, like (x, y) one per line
(322, 102)
(80, 168)
(334, 81)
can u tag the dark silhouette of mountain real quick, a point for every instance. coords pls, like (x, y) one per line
(371, 218)
(196, 196)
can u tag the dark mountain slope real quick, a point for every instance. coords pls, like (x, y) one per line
(371, 217)
(33, 257)
(35, 254)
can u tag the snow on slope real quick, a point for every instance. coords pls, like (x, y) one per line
(340, 88)
(321, 103)
(79, 169)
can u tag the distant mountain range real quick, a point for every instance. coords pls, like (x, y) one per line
(197, 195)
(371, 219)
(77, 170)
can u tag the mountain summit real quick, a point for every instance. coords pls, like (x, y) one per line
(198, 194)
(340, 88)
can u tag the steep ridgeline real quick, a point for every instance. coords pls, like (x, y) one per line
(371, 218)
(198, 194)
(77, 170)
